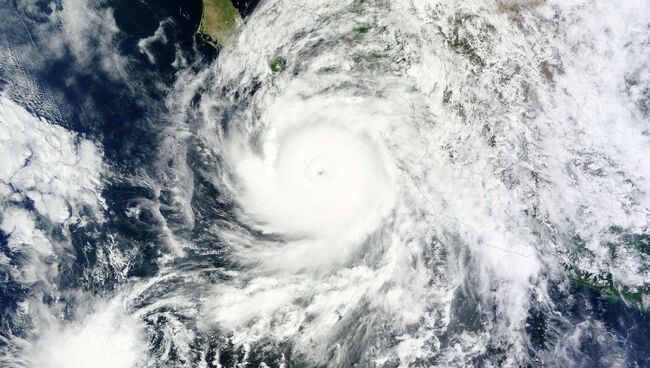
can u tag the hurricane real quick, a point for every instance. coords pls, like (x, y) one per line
(341, 183)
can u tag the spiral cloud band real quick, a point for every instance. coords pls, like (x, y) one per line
(318, 178)
(343, 183)
(378, 174)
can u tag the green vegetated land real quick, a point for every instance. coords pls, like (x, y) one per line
(218, 21)
(620, 243)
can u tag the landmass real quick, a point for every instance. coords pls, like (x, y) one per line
(629, 253)
(218, 21)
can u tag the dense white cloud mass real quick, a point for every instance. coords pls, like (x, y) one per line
(320, 179)
(422, 146)
(48, 164)
(54, 168)
(349, 183)
(107, 337)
